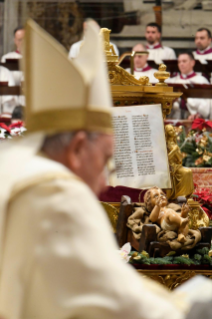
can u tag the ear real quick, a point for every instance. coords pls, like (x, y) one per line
(76, 151)
(193, 63)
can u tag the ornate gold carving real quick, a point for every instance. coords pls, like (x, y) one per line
(112, 213)
(198, 218)
(119, 76)
(182, 179)
(161, 75)
(173, 278)
(108, 48)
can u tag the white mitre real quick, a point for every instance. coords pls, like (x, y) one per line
(61, 95)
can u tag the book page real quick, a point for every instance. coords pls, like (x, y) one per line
(140, 157)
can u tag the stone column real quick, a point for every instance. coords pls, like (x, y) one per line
(11, 21)
(1, 27)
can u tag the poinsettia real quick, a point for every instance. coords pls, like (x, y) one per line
(196, 146)
(204, 197)
(14, 129)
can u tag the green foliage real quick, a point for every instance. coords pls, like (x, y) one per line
(203, 251)
(206, 260)
(200, 257)
(193, 148)
(197, 257)
(183, 261)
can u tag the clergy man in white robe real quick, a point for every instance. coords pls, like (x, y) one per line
(7, 102)
(75, 48)
(193, 107)
(141, 67)
(157, 52)
(17, 54)
(58, 256)
(203, 44)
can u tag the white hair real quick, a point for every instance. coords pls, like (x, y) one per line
(55, 144)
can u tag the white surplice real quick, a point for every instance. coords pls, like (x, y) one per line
(18, 75)
(146, 71)
(194, 105)
(159, 53)
(7, 102)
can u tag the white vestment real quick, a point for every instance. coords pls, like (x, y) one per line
(75, 49)
(194, 105)
(159, 53)
(7, 102)
(18, 75)
(202, 56)
(146, 71)
(59, 256)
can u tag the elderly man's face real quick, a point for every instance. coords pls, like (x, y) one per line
(18, 39)
(88, 158)
(140, 61)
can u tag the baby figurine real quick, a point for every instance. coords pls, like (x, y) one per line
(156, 203)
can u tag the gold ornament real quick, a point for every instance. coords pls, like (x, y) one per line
(182, 179)
(197, 216)
(199, 161)
(185, 256)
(145, 254)
(204, 141)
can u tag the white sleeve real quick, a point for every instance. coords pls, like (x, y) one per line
(115, 48)
(3, 59)
(74, 50)
(201, 106)
(8, 101)
(172, 55)
(81, 268)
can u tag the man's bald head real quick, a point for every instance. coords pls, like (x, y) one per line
(140, 60)
(139, 47)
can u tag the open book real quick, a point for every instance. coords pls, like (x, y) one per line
(140, 158)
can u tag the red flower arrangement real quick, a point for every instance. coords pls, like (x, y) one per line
(204, 197)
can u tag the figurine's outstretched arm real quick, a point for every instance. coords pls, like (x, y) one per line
(155, 213)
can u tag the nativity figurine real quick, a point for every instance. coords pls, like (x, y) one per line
(156, 203)
(171, 221)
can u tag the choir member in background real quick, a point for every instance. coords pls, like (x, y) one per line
(18, 40)
(190, 108)
(203, 45)
(75, 48)
(157, 52)
(141, 67)
(7, 102)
